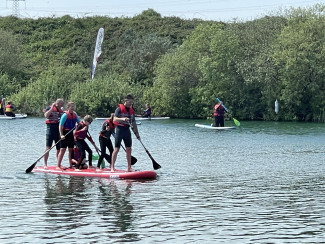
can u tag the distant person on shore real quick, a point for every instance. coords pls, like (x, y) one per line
(80, 134)
(219, 112)
(53, 114)
(2, 106)
(10, 108)
(147, 111)
(108, 128)
(123, 119)
(67, 124)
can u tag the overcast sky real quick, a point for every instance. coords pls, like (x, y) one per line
(223, 10)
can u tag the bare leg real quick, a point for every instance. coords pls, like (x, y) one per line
(114, 156)
(46, 156)
(70, 157)
(60, 156)
(128, 157)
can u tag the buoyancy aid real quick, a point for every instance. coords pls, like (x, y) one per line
(124, 114)
(218, 110)
(55, 115)
(76, 153)
(8, 108)
(104, 133)
(71, 120)
(79, 134)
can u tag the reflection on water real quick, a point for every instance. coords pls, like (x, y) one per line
(261, 183)
(71, 200)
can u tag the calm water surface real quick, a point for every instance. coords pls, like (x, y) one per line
(262, 183)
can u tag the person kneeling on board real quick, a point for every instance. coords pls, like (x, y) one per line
(75, 157)
(80, 134)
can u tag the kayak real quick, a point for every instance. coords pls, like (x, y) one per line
(18, 116)
(151, 118)
(103, 173)
(214, 128)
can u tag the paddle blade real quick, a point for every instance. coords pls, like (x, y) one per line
(95, 157)
(237, 123)
(155, 165)
(31, 167)
(133, 160)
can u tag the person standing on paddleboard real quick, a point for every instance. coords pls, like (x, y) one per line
(219, 112)
(108, 128)
(123, 118)
(52, 114)
(66, 126)
(80, 134)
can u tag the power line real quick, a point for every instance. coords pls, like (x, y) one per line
(15, 7)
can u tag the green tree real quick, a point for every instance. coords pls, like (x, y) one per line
(300, 57)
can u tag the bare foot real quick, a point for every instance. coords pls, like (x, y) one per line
(130, 170)
(112, 170)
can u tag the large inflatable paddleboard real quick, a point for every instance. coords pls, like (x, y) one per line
(214, 128)
(151, 118)
(103, 173)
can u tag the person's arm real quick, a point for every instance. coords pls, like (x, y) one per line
(49, 111)
(61, 124)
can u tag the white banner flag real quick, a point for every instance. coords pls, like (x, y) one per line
(98, 50)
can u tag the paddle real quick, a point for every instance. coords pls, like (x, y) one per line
(133, 159)
(237, 123)
(154, 163)
(34, 164)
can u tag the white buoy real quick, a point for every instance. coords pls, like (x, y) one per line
(276, 106)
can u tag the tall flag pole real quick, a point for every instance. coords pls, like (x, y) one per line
(98, 51)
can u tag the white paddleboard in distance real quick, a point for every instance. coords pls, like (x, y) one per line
(214, 128)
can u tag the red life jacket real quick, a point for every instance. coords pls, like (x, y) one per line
(78, 134)
(124, 114)
(71, 121)
(54, 117)
(218, 110)
(111, 126)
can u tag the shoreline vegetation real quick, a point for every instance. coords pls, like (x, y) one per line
(177, 66)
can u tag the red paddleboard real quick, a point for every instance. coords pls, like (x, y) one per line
(104, 173)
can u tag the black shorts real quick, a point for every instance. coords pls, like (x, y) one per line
(123, 133)
(52, 134)
(68, 140)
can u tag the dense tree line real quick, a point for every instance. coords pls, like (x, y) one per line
(178, 66)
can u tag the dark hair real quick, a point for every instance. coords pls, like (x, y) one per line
(128, 96)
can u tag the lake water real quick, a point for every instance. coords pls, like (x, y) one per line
(262, 183)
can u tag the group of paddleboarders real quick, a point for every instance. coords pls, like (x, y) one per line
(67, 131)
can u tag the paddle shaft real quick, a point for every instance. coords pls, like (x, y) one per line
(222, 105)
(34, 164)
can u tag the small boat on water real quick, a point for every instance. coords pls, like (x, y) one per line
(103, 173)
(18, 116)
(151, 118)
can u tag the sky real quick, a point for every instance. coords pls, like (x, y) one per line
(219, 10)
